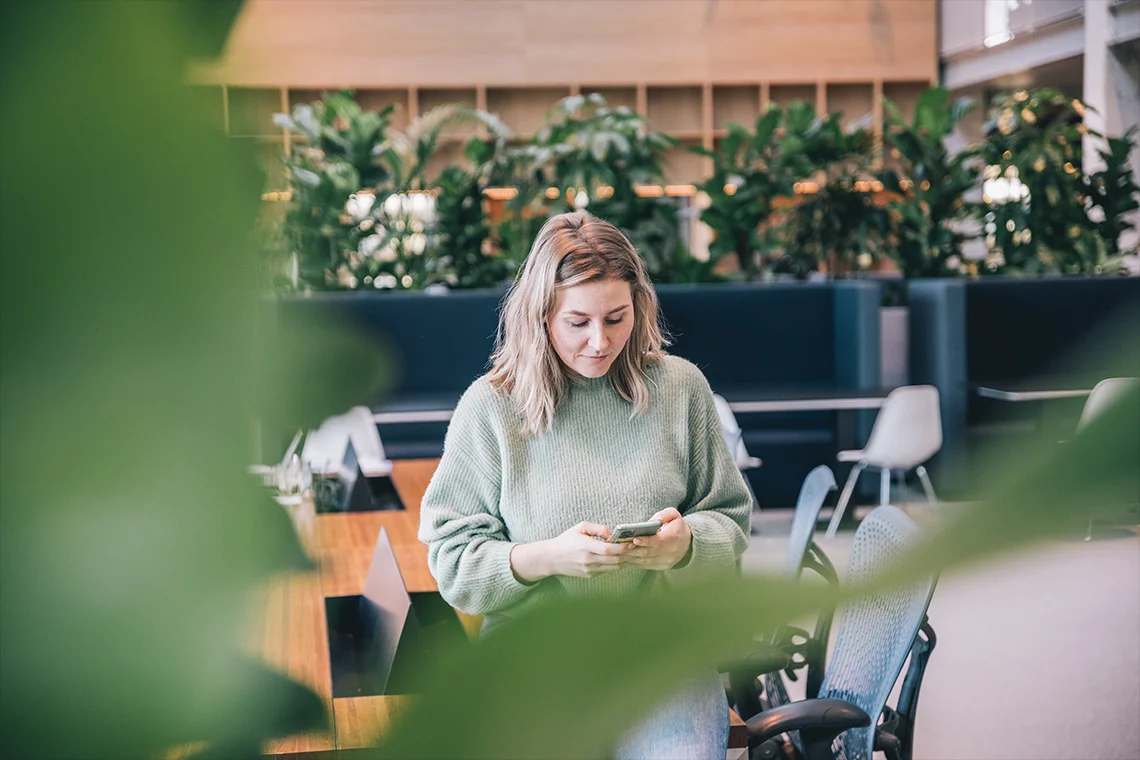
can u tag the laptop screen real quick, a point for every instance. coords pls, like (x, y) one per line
(387, 604)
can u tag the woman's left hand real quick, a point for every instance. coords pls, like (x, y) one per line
(664, 550)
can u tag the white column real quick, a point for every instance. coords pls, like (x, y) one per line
(1095, 89)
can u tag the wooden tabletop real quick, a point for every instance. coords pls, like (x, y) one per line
(289, 630)
(288, 627)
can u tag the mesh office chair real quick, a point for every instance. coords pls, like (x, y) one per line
(907, 432)
(807, 651)
(876, 635)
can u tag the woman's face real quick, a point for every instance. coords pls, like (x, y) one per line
(590, 325)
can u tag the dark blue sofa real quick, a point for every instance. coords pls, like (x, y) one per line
(750, 340)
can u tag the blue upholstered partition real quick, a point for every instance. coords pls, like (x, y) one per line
(938, 357)
(747, 338)
(751, 339)
(1009, 332)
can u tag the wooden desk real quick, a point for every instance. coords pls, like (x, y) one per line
(289, 630)
(289, 621)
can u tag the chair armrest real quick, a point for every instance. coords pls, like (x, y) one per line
(743, 690)
(819, 721)
(764, 658)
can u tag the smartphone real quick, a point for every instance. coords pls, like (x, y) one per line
(623, 534)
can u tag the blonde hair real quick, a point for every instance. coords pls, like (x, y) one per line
(571, 249)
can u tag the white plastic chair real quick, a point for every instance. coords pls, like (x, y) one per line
(324, 447)
(907, 432)
(733, 435)
(1103, 395)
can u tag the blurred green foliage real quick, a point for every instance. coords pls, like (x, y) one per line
(1035, 137)
(931, 213)
(131, 536)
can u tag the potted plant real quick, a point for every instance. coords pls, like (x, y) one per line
(1036, 197)
(836, 223)
(930, 213)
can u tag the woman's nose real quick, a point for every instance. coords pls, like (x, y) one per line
(598, 340)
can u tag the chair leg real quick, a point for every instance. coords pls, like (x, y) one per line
(884, 487)
(844, 497)
(926, 484)
(904, 495)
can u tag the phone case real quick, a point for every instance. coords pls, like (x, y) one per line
(626, 533)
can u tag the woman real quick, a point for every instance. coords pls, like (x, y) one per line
(584, 422)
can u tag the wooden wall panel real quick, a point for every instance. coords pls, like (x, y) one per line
(440, 43)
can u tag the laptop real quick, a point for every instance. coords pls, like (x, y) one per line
(380, 641)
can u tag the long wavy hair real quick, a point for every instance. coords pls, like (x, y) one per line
(571, 249)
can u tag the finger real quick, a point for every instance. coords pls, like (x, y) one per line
(593, 529)
(647, 541)
(606, 549)
(667, 515)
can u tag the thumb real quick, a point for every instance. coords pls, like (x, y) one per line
(667, 515)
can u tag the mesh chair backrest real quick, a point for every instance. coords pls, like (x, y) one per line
(814, 490)
(1102, 396)
(875, 632)
(908, 428)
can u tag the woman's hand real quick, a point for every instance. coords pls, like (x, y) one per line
(664, 550)
(574, 553)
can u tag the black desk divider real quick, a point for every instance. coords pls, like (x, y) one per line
(381, 641)
(356, 492)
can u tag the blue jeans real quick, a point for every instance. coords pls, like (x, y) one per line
(692, 724)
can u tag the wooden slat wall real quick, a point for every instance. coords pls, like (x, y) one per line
(438, 43)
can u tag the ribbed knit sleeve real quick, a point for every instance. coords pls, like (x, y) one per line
(718, 505)
(468, 548)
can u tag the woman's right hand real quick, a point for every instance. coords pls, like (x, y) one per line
(574, 552)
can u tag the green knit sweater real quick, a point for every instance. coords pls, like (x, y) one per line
(494, 488)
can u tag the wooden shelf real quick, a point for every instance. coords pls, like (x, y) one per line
(854, 101)
(695, 114)
(687, 134)
(675, 110)
(904, 95)
(429, 98)
(783, 94)
(376, 100)
(524, 109)
(738, 104)
(683, 166)
(615, 96)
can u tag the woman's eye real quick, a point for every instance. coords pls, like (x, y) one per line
(617, 321)
(578, 324)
